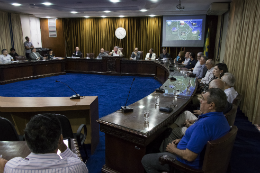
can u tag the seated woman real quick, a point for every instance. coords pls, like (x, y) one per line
(50, 55)
(150, 55)
(180, 58)
(229, 81)
(5, 57)
(219, 70)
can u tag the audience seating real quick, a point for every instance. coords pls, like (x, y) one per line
(20, 58)
(231, 115)
(237, 100)
(90, 55)
(8, 132)
(216, 158)
(67, 131)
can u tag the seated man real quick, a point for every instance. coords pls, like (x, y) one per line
(209, 75)
(43, 137)
(202, 68)
(116, 52)
(51, 55)
(211, 125)
(230, 91)
(187, 118)
(77, 53)
(13, 53)
(35, 55)
(135, 55)
(102, 53)
(198, 65)
(164, 54)
(150, 55)
(187, 58)
(191, 64)
(5, 57)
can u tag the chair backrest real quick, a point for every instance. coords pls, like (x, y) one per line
(231, 115)
(66, 126)
(90, 55)
(107, 51)
(121, 49)
(237, 100)
(20, 58)
(218, 153)
(8, 132)
(141, 54)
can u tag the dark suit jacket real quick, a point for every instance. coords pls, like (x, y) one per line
(137, 55)
(50, 56)
(167, 56)
(33, 57)
(79, 54)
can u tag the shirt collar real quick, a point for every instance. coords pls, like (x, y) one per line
(50, 156)
(210, 114)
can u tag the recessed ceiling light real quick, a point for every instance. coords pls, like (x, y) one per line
(152, 15)
(86, 16)
(103, 16)
(16, 4)
(114, 1)
(143, 10)
(121, 16)
(47, 3)
(73, 12)
(48, 17)
(107, 11)
(154, 0)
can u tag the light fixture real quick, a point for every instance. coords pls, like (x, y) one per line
(114, 1)
(152, 15)
(103, 16)
(143, 10)
(47, 3)
(74, 12)
(107, 11)
(121, 16)
(86, 16)
(154, 0)
(48, 17)
(16, 4)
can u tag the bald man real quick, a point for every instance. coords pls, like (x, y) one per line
(77, 52)
(187, 118)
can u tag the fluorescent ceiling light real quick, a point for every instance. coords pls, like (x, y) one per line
(47, 3)
(114, 1)
(152, 15)
(107, 11)
(86, 16)
(121, 16)
(48, 17)
(103, 16)
(143, 10)
(16, 4)
(154, 0)
(73, 12)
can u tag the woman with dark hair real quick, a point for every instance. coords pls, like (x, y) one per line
(219, 70)
(180, 58)
(5, 57)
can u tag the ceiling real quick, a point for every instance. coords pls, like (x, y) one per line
(96, 8)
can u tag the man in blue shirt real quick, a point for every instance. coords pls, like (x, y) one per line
(211, 125)
(202, 70)
(191, 64)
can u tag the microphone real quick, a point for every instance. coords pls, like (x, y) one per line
(77, 96)
(126, 108)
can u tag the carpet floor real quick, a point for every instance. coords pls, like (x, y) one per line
(112, 92)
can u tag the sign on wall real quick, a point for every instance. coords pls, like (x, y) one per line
(52, 27)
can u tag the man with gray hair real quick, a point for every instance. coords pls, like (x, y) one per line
(198, 65)
(202, 69)
(116, 52)
(229, 81)
(102, 53)
(209, 74)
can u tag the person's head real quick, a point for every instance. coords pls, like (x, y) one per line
(34, 50)
(27, 38)
(209, 64)
(181, 54)
(151, 50)
(203, 59)
(136, 50)
(115, 48)
(43, 133)
(50, 52)
(102, 50)
(219, 70)
(192, 55)
(164, 51)
(229, 79)
(213, 100)
(199, 55)
(217, 83)
(4, 52)
(77, 48)
(187, 55)
(12, 50)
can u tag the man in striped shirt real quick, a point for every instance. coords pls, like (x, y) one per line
(44, 138)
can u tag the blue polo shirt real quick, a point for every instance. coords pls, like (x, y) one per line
(191, 64)
(208, 127)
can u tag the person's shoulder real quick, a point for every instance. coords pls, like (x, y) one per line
(14, 162)
(74, 161)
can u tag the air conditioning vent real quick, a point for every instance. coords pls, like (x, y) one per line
(218, 8)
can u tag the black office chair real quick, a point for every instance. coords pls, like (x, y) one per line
(8, 132)
(67, 131)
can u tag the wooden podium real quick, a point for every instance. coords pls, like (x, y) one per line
(19, 111)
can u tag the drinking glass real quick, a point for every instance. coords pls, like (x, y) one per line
(146, 115)
(157, 100)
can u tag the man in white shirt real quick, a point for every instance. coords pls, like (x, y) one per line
(209, 75)
(43, 137)
(230, 91)
(197, 67)
(187, 58)
(5, 58)
(150, 55)
(116, 52)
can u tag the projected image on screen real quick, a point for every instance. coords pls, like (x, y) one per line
(188, 29)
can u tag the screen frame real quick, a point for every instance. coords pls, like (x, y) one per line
(183, 43)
